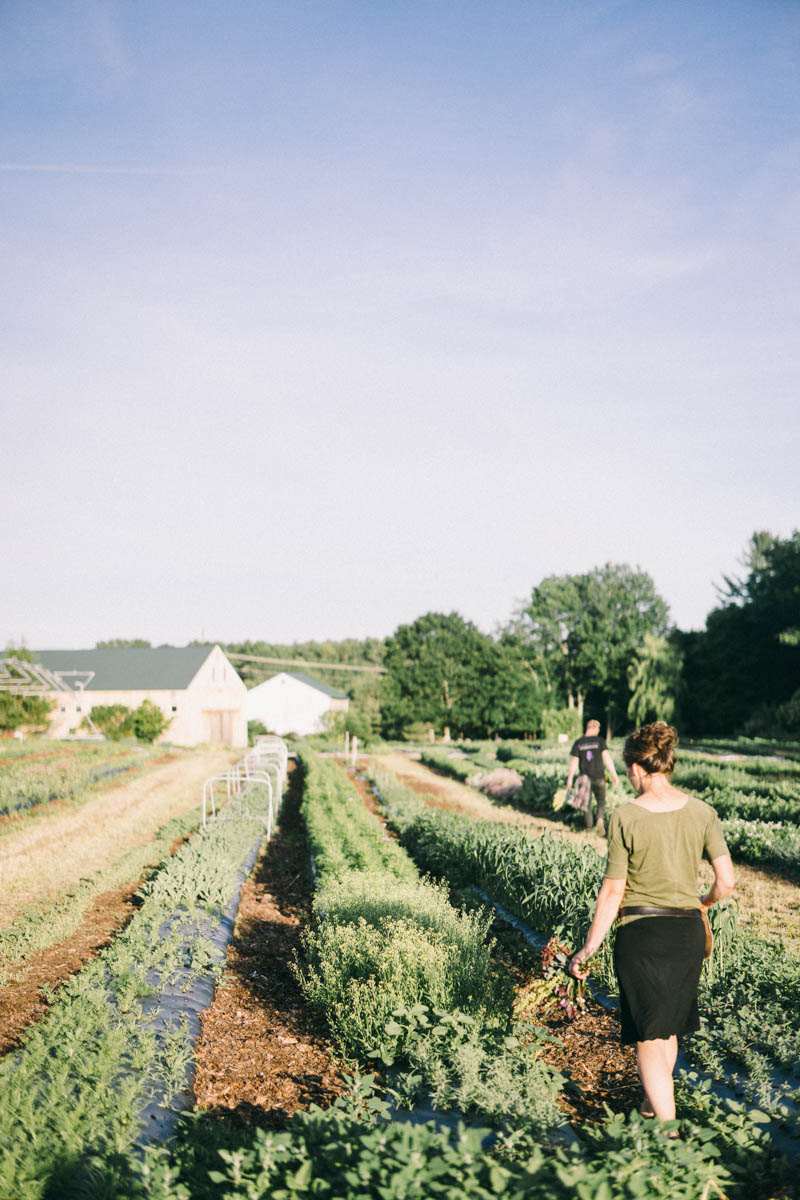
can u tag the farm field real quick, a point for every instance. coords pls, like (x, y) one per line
(341, 981)
(754, 1033)
(69, 872)
(767, 900)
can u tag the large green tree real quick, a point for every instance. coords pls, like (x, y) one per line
(582, 632)
(746, 662)
(440, 670)
(654, 680)
(516, 698)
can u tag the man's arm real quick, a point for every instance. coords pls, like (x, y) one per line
(573, 766)
(609, 765)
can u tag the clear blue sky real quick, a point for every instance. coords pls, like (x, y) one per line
(319, 315)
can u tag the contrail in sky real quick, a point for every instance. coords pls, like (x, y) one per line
(86, 169)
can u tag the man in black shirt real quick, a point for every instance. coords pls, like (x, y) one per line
(589, 756)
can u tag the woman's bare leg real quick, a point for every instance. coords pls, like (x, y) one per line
(656, 1060)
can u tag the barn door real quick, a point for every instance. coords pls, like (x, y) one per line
(220, 725)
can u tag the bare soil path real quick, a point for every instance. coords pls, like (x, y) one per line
(261, 1055)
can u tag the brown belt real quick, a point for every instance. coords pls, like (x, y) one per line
(650, 910)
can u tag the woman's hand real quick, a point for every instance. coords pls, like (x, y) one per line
(576, 963)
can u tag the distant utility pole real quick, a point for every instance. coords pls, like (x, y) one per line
(298, 662)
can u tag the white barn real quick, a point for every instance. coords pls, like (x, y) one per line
(292, 702)
(196, 687)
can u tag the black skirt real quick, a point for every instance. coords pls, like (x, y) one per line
(658, 962)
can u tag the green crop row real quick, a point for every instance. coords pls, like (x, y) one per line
(70, 1098)
(399, 974)
(342, 835)
(445, 763)
(351, 1152)
(547, 881)
(731, 802)
(764, 843)
(28, 784)
(552, 885)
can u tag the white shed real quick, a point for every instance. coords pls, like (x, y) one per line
(292, 702)
(196, 687)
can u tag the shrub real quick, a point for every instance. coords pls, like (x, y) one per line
(383, 944)
(23, 710)
(561, 720)
(254, 730)
(149, 721)
(114, 720)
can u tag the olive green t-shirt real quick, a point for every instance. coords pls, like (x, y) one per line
(659, 853)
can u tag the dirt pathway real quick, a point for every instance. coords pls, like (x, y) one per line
(769, 904)
(43, 860)
(453, 796)
(260, 1054)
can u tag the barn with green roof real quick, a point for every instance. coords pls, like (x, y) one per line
(196, 687)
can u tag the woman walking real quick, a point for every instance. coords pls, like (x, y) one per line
(655, 844)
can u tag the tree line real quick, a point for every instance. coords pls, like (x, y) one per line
(597, 643)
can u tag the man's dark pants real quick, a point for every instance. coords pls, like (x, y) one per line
(599, 793)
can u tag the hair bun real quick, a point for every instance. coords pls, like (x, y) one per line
(652, 747)
(664, 736)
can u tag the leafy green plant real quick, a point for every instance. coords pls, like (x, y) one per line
(339, 1155)
(114, 720)
(148, 721)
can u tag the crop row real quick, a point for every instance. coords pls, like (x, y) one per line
(399, 974)
(71, 1099)
(48, 922)
(26, 784)
(552, 885)
(763, 825)
(764, 843)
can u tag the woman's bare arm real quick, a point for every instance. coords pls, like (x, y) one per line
(724, 881)
(609, 899)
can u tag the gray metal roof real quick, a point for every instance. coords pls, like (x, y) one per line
(128, 668)
(315, 683)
